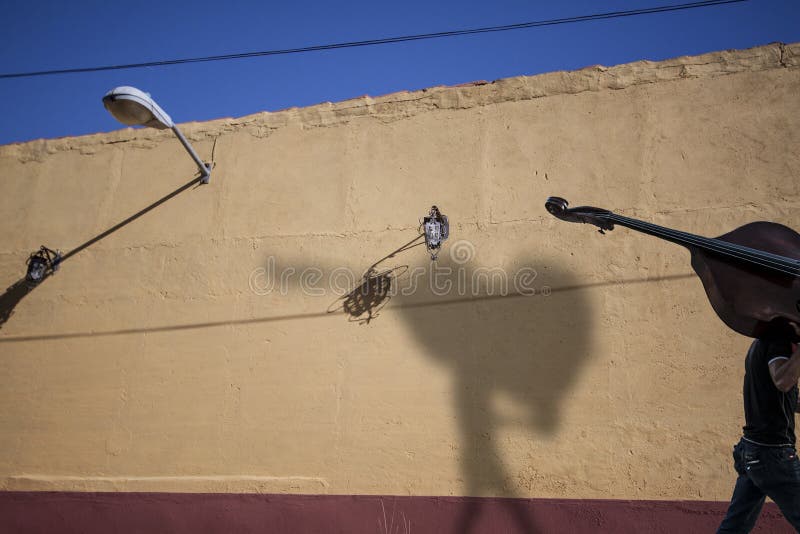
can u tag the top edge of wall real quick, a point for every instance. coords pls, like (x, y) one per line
(404, 104)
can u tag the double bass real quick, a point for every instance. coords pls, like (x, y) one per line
(751, 275)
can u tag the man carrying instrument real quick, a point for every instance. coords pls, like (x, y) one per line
(765, 458)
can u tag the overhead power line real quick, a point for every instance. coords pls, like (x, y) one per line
(386, 40)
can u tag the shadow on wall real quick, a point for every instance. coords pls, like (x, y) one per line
(527, 348)
(13, 295)
(371, 294)
(16, 292)
(376, 287)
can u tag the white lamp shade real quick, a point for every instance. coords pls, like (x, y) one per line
(133, 107)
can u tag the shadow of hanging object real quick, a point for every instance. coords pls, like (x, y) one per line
(18, 291)
(13, 295)
(365, 302)
(41, 265)
(375, 290)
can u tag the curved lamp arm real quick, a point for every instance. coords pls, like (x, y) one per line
(132, 107)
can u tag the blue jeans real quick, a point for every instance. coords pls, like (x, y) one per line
(763, 471)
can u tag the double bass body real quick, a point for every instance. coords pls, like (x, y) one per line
(746, 296)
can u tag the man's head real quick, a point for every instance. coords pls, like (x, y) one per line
(784, 329)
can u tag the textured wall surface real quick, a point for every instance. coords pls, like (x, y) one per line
(188, 352)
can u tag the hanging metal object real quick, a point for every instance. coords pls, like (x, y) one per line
(40, 264)
(437, 230)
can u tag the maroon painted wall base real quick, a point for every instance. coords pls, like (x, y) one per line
(56, 512)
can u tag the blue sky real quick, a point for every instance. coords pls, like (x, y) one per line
(55, 34)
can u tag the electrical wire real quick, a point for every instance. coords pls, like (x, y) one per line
(387, 40)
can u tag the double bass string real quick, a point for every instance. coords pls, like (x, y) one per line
(764, 259)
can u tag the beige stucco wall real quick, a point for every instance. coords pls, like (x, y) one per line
(157, 360)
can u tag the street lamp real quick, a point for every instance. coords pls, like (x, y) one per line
(132, 106)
